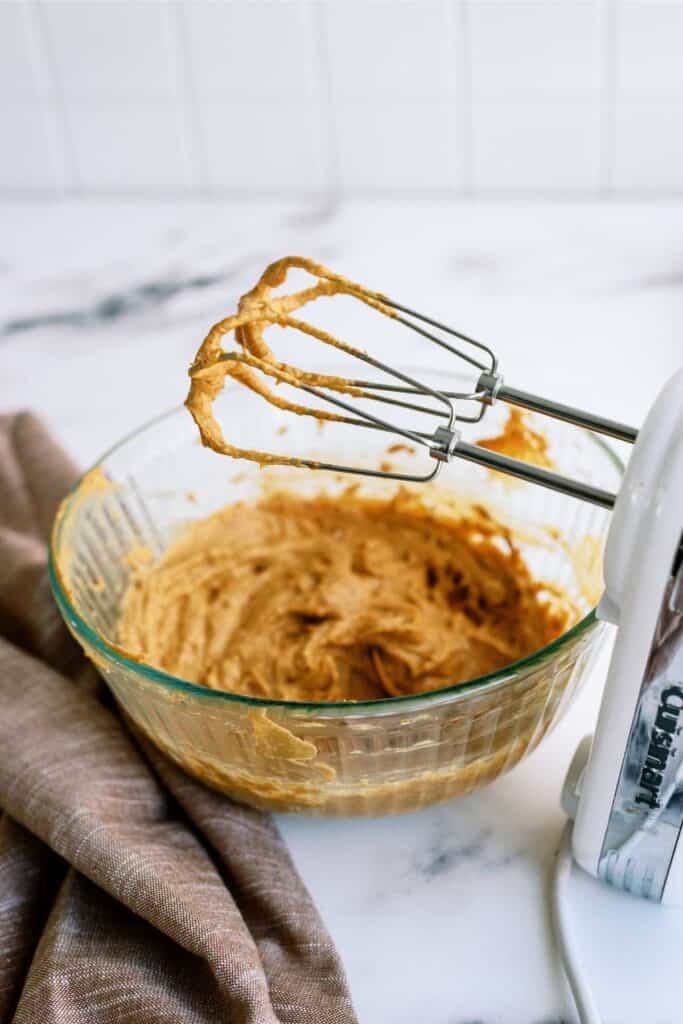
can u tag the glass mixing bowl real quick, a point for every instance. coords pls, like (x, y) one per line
(365, 758)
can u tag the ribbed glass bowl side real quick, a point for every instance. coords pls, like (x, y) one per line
(351, 759)
(361, 763)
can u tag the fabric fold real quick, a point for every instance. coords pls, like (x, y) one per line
(128, 892)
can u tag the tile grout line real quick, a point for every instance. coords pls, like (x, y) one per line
(314, 14)
(69, 164)
(187, 86)
(608, 95)
(466, 185)
(453, 92)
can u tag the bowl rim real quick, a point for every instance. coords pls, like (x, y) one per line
(383, 705)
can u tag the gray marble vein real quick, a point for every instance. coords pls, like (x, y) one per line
(118, 305)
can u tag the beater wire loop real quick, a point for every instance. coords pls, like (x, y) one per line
(259, 309)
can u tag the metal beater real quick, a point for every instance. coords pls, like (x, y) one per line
(445, 442)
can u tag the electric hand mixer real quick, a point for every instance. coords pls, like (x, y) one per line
(625, 789)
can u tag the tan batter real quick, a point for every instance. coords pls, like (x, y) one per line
(258, 310)
(332, 599)
(519, 440)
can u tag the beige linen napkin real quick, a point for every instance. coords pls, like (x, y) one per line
(129, 893)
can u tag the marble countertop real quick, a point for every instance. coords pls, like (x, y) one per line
(441, 917)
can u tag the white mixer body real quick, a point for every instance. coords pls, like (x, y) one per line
(629, 821)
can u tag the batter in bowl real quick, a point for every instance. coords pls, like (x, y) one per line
(339, 599)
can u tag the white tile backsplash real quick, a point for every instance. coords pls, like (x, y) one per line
(118, 50)
(397, 146)
(20, 72)
(548, 146)
(476, 96)
(649, 51)
(263, 146)
(29, 162)
(648, 150)
(387, 51)
(129, 146)
(242, 50)
(524, 51)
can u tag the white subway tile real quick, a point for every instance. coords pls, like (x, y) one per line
(129, 147)
(28, 159)
(648, 151)
(264, 146)
(402, 146)
(19, 69)
(526, 51)
(112, 51)
(649, 50)
(391, 50)
(549, 146)
(249, 49)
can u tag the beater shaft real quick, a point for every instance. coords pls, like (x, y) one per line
(533, 474)
(443, 408)
(567, 413)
